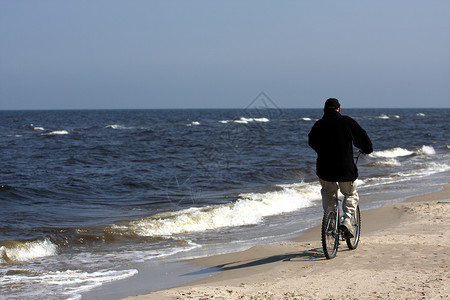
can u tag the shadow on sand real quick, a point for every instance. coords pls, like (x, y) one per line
(314, 254)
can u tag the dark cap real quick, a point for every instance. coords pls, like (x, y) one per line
(332, 103)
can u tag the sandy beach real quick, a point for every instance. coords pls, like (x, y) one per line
(404, 253)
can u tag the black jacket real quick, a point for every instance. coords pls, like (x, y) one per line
(333, 137)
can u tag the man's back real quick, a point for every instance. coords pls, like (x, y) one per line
(333, 137)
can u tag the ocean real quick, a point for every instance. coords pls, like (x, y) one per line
(88, 195)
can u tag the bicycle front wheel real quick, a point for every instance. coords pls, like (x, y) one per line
(352, 243)
(330, 234)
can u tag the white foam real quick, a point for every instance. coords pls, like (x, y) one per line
(88, 280)
(385, 117)
(244, 120)
(27, 251)
(115, 126)
(241, 121)
(121, 127)
(431, 168)
(388, 162)
(248, 209)
(195, 123)
(420, 115)
(139, 256)
(68, 283)
(57, 132)
(427, 150)
(36, 127)
(391, 153)
(259, 119)
(306, 119)
(360, 182)
(399, 152)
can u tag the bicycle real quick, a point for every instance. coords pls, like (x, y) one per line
(332, 234)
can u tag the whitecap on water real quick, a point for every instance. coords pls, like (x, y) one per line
(244, 120)
(57, 132)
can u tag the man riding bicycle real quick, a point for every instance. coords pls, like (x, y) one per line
(333, 138)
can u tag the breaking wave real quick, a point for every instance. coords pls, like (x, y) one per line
(391, 153)
(400, 152)
(248, 209)
(16, 251)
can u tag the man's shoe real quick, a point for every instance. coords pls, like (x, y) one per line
(348, 228)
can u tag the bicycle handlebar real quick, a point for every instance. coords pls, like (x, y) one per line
(357, 158)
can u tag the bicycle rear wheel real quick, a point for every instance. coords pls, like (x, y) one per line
(352, 243)
(330, 234)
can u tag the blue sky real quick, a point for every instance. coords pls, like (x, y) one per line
(222, 54)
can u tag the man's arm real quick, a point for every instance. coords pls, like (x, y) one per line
(312, 140)
(360, 139)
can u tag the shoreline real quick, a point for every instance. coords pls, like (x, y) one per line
(403, 253)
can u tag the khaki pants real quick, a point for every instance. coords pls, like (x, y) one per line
(348, 189)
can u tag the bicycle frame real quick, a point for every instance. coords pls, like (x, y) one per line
(339, 218)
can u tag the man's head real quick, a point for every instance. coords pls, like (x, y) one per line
(332, 104)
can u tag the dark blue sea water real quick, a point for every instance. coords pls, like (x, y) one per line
(85, 194)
